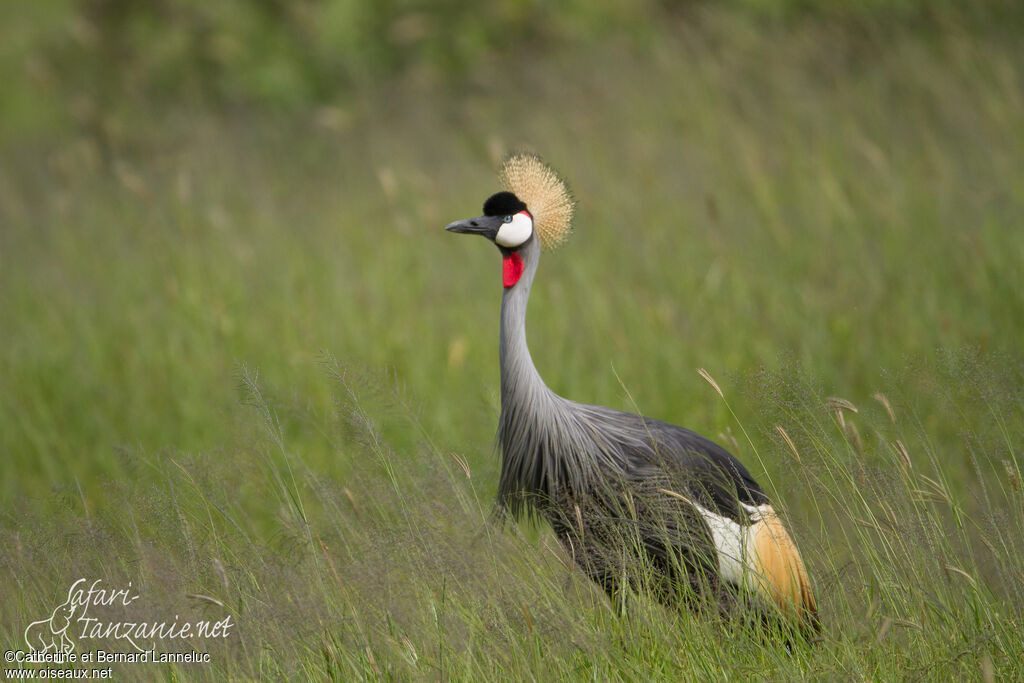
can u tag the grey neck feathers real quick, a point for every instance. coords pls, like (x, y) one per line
(549, 446)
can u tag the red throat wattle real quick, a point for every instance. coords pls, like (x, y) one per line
(511, 269)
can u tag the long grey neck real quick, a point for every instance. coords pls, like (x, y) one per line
(542, 458)
(551, 448)
(520, 381)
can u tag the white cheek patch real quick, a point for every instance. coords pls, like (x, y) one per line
(515, 233)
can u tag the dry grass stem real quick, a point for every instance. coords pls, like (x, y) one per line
(881, 398)
(836, 403)
(853, 437)
(1012, 475)
(962, 573)
(205, 598)
(789, 441)
(461, 462)
(883, 629)
(710, 380)
(902, 454)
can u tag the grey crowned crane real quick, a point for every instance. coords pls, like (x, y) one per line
(631, 498)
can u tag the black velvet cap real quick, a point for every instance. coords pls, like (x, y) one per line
(503, 204)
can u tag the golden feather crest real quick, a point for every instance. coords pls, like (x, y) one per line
(545, 194)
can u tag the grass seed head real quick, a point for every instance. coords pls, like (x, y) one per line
(881, 398)
(789, 441)
(901, 453)
(1012, 474)
(710, 380)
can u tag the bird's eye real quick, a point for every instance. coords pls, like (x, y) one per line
(507, 219)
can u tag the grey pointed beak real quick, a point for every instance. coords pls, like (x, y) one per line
(483, 225)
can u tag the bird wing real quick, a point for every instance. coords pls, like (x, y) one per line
(648, 450)
(718, 480)
(672, 466)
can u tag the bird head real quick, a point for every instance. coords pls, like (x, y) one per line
(535, 205)
(506, 221)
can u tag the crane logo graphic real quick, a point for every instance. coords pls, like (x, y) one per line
(51, 634)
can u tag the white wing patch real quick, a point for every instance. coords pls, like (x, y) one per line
(732, 541)
(760, 556)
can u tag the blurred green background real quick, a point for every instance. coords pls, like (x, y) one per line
(187, 186)
(808, 199)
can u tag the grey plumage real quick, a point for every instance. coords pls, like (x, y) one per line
(549, 442)
(559, 456)
(630, 497)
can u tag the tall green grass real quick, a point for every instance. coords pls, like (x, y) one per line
(242, 361)
(396, 569)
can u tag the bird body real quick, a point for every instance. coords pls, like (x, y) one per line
(609, 480)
